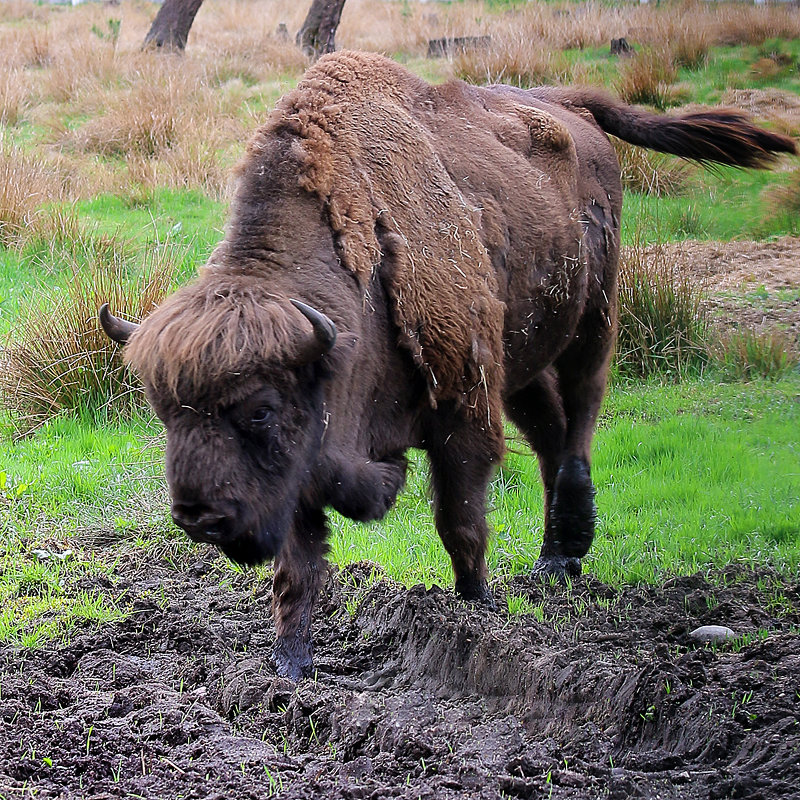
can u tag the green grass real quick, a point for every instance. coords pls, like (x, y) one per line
(732, 68)
(188, 216)
(117, 228)
(689, 477)
(723, 205)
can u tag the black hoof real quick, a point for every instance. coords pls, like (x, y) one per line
(560, 567)
(476, 592)
(293, 658)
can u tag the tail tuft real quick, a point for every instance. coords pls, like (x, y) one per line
(721, 137)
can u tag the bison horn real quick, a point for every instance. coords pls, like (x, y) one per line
(324, 333)
(119, 330)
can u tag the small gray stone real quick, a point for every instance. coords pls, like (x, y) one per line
(710, 634)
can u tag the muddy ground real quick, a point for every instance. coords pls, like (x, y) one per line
(595, 692)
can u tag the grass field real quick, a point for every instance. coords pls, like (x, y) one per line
(119, 157)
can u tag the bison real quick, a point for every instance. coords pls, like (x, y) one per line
(403, 264)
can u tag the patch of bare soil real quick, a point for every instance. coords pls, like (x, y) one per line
(600, 694)
(748, 284)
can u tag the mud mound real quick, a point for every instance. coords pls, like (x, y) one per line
(747, 284)
(739, 266)
(596, 692)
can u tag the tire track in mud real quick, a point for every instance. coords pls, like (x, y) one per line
(416, 695)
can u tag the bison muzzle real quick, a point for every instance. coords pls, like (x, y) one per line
(403, 264)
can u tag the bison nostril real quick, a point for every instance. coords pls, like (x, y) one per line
(197, 518)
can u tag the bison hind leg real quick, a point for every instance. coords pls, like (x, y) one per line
(573, 513)
(572, 517)
(559, 567)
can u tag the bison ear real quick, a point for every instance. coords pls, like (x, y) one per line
(119, 330)
(323, 338)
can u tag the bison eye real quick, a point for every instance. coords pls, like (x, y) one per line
(261, 415)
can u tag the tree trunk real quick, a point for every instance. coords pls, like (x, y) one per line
(170, 28)
(319, 29)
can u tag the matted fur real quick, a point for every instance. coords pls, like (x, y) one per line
(210, 332)
(369, 156)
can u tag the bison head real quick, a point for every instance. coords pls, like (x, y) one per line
(236, 376)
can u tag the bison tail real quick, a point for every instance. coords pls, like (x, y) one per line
(722, 136)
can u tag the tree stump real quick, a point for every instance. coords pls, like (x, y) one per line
(621, 47)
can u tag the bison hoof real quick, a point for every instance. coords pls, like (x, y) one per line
(560, 567)
(476, 592)
(292, 657)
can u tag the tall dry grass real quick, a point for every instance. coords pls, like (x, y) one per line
(648, 77)
(59, 360)
(26, 183)
(663, 327)
(742, 24)
(689, 45)
(14, 95)
(511, 60)
(648, 172)
(172, 126)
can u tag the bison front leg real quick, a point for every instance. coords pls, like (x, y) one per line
(295, 587)
(462, 461)
(365, 490)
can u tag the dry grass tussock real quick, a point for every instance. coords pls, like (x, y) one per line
(80, 68)
(647, 78)
(58, 359)
(14, 94)
(747, 354)
(512, 60)
(171, 125)
(663, 327)
(648, 172)
(171, 100)
(785, 199)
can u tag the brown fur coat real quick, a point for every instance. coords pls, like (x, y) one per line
(366, 133)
